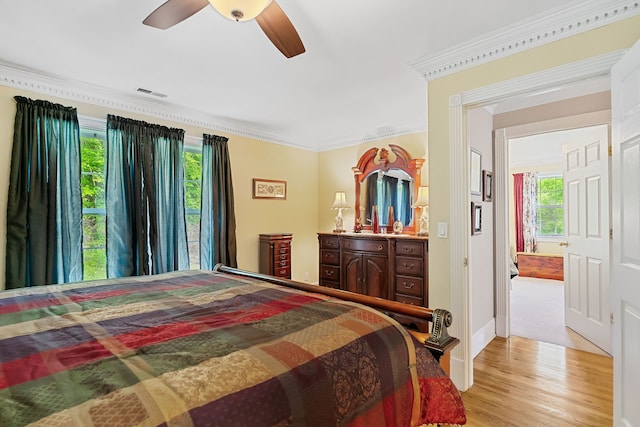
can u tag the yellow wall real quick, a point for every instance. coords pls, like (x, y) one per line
(610, 38)
(250, 158)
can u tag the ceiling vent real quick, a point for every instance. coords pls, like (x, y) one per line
(150, 92)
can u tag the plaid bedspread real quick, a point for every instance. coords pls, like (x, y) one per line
(209, 349)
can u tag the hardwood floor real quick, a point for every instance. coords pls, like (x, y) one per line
(521, 382)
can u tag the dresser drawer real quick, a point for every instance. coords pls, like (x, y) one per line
(409, 300)
(408, 248)
(283, 272)
(281, 263)
(409, 286)
(411, 266)
(330, 272)
(329, 256)
(330, 284)
(366, 245)
(329, 242)
(281, 250)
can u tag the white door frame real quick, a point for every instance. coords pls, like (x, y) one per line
(460, 216)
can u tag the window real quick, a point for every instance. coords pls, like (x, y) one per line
(193, 188)
(94, 249)
(550, 206)
(94, 227)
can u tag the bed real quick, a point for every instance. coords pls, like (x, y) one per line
(217, 348)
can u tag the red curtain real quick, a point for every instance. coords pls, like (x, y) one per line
(517, 201)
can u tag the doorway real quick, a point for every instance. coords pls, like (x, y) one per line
(538, 154)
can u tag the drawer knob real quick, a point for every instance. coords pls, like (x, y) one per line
(283, 263)
(407, 249)
(380, 247)
(328, 272)
(408, 285)
(408, 266)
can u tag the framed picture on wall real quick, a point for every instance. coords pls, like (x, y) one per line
(269, 189)
(476, 218)
(487, 186)
(476, 172)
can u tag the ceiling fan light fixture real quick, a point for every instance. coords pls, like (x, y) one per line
(240, 10)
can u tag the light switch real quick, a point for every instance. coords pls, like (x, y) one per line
(442, 230)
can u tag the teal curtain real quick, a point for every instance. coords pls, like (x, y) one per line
(217, 215)
(146, 227)
(389, 197)
(44, 207)
(372, 196)
(405, 202)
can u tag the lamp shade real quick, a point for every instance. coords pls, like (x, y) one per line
(340, 201)
(423, 197)
(240, 10)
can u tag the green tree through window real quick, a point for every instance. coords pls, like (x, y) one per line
(193, 188)
(550, 206)
(92, 151)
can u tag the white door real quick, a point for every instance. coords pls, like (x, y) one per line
(587, 306)
(625, 260)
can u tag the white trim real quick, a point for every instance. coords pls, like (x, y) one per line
(462, 369)
(34, 81)
(501, 234)
(555, 24)
(483, 337)
(50, 85)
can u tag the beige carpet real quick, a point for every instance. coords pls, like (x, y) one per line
(537, 312)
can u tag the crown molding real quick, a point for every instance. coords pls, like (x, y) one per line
(50, 85)
(559, 23)
(55, 86)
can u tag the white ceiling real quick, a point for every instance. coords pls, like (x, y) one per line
(360, 79)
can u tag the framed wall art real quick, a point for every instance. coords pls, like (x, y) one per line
(487, 186)
(269, 189)
(476, 172)
(476, 218)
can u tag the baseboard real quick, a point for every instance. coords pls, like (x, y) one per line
(457, 375)
(483, 337)
(502, 326)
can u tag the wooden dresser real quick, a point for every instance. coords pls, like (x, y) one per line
(389, 266)
(275, 254)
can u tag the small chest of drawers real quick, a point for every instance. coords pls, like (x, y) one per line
(275, 254)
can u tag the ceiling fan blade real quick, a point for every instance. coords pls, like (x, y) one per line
(277, 26)
(173, 12)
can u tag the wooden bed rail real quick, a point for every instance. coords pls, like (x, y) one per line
(438, 341)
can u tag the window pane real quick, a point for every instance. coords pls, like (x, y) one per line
(193, 188)
(92, 151)
(550, 206)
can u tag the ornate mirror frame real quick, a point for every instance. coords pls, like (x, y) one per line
(377, 159)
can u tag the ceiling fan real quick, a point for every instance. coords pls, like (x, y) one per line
(271, 18)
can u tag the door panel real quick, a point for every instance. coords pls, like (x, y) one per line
(375, 278)
(625, 121)
(586, 184)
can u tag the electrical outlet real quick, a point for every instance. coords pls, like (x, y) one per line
(306, 276)
(442, 230)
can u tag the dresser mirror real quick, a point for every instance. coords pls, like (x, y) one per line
(387, 177)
